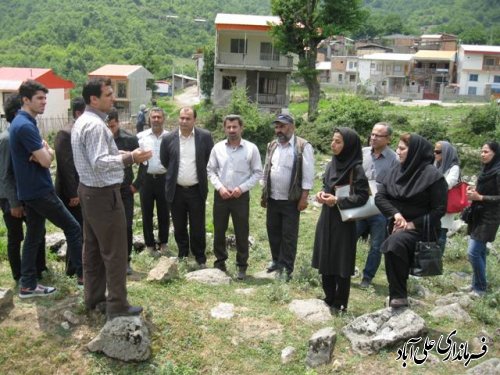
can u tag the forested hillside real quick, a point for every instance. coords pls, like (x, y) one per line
(75, 37)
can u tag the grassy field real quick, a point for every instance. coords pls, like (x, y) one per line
(186, 340)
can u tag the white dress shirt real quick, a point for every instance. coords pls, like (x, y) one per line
(150, 141)
(187, 161)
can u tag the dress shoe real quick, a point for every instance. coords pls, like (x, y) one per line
(273, 267)
(397, 303)
(130, 311)
(220, 266)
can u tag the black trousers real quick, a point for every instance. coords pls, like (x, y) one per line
(336, 290)
(128, 205)
(188, 206)
(153, 191)
(239, 210)
(282, 230)
(76, 212)
(15, 236)
(397, 271)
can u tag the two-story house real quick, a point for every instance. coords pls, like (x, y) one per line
(344, 72)
(385, 73)
(246, 57)
(479, 70)
(129, 85)
(433, 70)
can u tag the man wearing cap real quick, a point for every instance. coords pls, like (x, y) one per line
(234, 168)
(288, 177)
(141, 118)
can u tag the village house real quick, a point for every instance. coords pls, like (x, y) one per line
(245, 57)
(432, 71)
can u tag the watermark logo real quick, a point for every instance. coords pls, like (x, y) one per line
(448, 349)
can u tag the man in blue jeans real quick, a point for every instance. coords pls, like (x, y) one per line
(378, 158)
(31, 160)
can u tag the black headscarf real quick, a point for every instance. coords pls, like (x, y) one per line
(417, 172)
(337, 171)
(492, 168)
(449, 157)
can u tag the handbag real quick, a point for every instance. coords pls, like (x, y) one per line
(362, 212)
(428, 258)
(457, 198)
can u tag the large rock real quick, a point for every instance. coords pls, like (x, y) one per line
(124, 338)
(489, 367)
(321, 346)
(383, 328)
(6, 299)
(264, 275)
(166, 269)
(454, 312)
(222, 311)
(310, 310)
(462, 299)
(211, 276)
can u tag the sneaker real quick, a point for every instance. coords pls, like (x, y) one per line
(365, 283)
(475, 294)
(39, 291)
(129, 270)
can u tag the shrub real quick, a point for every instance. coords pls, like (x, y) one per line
(483, 121)
(431, 129)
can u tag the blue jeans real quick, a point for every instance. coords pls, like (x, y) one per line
(477, 258)
(442, 239)
(37, 210)
(377, 226)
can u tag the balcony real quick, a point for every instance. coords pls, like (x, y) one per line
(271, 100)
(263, 60)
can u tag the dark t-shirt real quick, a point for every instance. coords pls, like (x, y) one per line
(32, 180)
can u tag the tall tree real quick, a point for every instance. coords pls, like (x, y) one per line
(305, 23)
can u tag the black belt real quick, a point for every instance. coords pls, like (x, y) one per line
(188, 187)
(156, 175)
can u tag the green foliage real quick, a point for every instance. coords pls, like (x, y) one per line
(207, 75)
(431, 129)
(484, 121)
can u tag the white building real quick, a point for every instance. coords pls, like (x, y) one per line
(478, 70)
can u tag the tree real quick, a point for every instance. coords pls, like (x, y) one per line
(305, 23)
(207, 74)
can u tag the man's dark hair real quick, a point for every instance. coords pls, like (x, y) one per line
(11, 106)
(189, 109)
(29, 88)
(94, 87)
(113, 114)
(232, 118)
(77, 105)
(157, 109)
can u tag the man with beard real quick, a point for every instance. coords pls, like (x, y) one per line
(288, 177)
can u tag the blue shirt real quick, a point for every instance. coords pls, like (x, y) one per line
(32, 180)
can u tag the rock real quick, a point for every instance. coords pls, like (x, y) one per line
(458, 226)
(6, 299)
(166, 269)
(423, 292)
(356, 272)
(462, 299)
(413, 302)
(65, 326)
(54, 240)
(245, 291)
(264, 275)
(71, 318)
(321, 346)
(124, 338)
(222, 311)
(251, 241)
(310, 310)
(454, 312)
(288, 354)
(211, 276)
(138, 242)
(371, 332)
(63, 250)
(489, 367)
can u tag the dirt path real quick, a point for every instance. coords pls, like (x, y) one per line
(188, 97)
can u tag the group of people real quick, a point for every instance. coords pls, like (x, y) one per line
(95, 187)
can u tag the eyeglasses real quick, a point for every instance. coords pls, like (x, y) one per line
(438, 152)
(373, 135)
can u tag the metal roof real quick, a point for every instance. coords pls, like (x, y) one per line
(388, 56)
(116, 70)
(480, 48)
(245, 19)
(435, 55)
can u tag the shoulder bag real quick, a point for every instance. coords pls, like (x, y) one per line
(428, 258)
(457, 198)
(362, 212)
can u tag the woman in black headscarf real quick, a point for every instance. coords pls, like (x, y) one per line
(334, 251)
(447, 162)
(486, 214)
(410, 194)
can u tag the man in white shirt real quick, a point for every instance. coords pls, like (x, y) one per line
(184, 152)
(152, 184)
(288, 177)
(234, 168)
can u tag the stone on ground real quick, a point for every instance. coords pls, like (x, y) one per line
(166, 269)
(489, 367)
(210, 276)
(462, 299)
(310, 310)
(288, 354)
(222, 311)
(453, 311)
(321, 346)
(6, 299)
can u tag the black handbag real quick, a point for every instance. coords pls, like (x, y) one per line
(428, 258)
(467, 215)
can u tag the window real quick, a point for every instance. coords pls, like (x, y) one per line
(489, 61)
(353, 64)
(340, 78)
(121, 89)
(228, 82)
(372, 66)
(473, 77)
(472, 91)
(397, 68)
(267, 52)
(496, 79)
(352, 78)
(268, 85)
(239, 46)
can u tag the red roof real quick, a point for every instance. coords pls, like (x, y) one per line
(45, 76)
